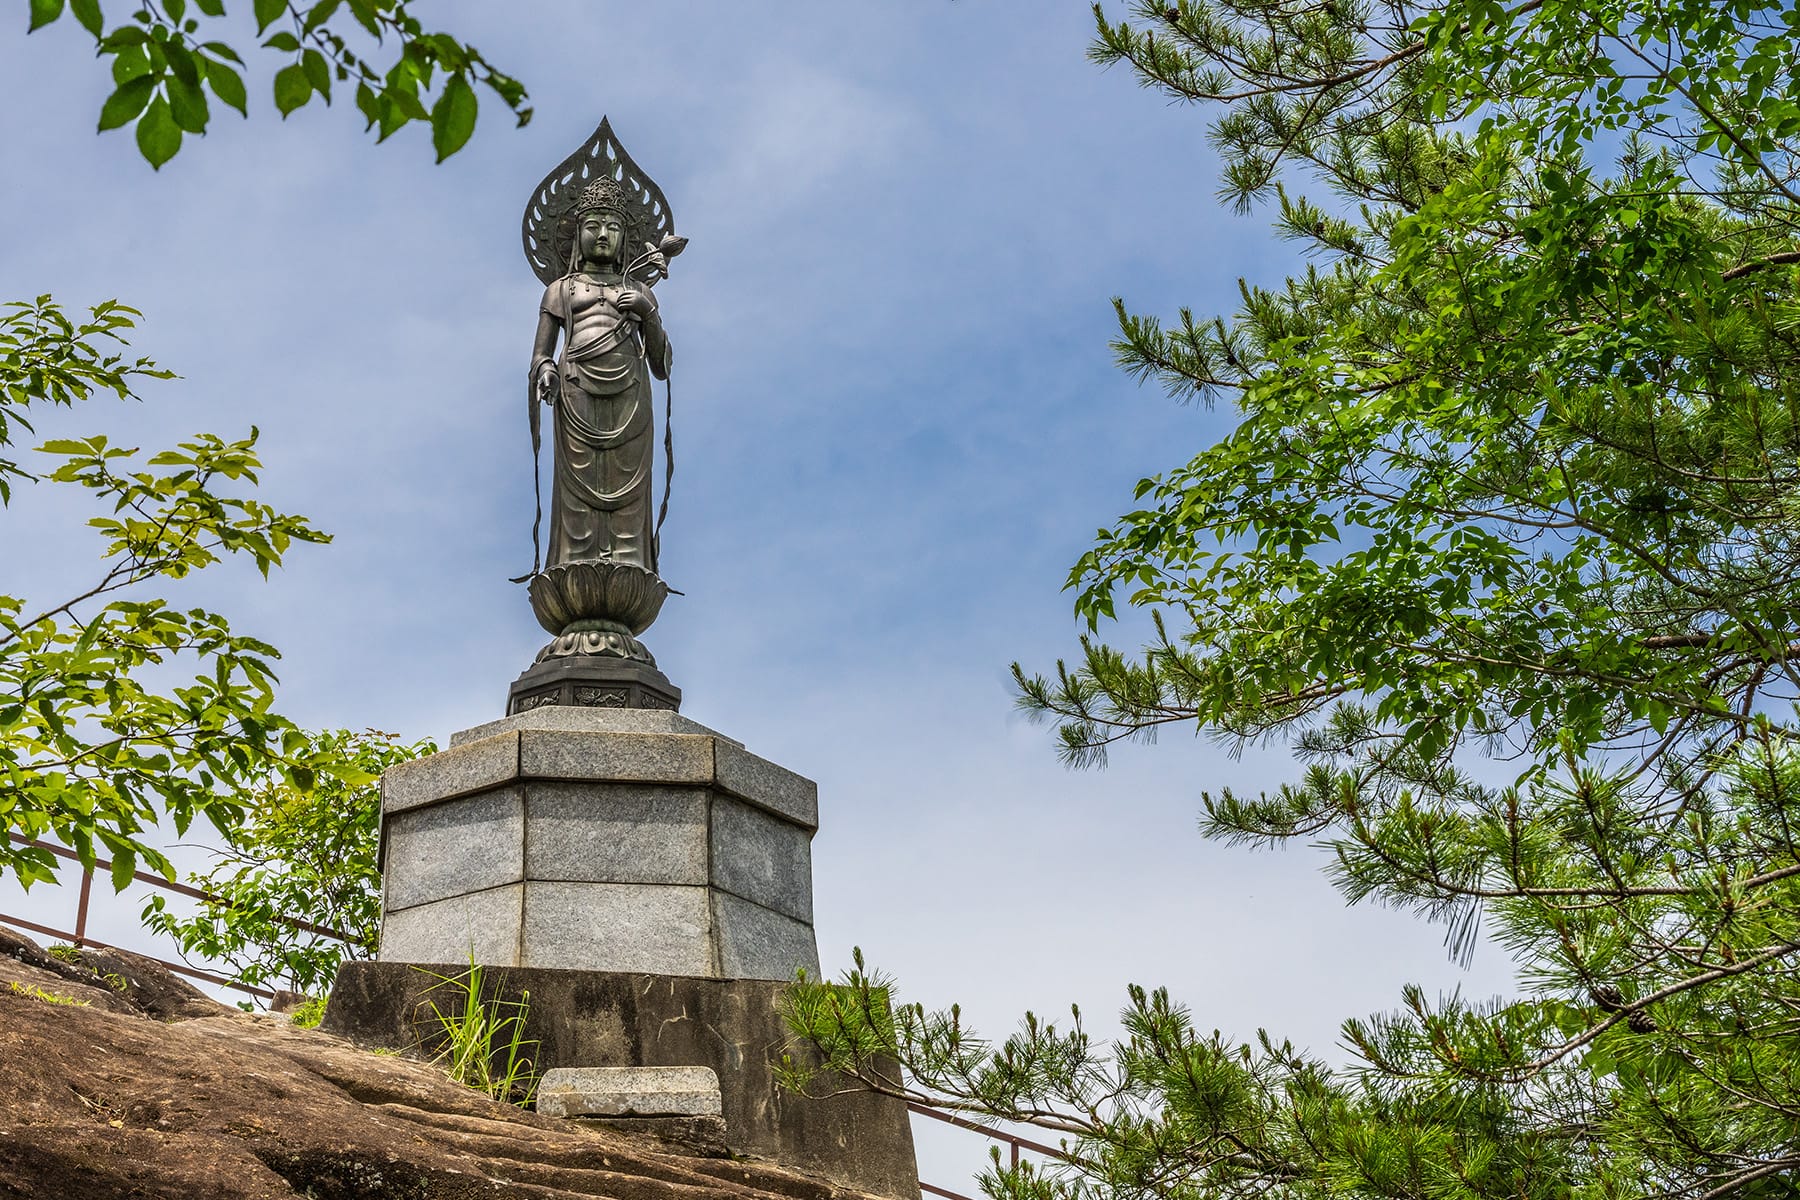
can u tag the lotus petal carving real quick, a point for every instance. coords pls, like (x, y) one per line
(600, 590)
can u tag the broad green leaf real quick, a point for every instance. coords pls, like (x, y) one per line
(367, 14)
(181, 63)
(319, 13)
(158, 137)
(453, 117)
(318, 72)
(130, 63)
(267, 12)
(187, 104)
(127, 102)
(88, 13)
(124, 866)
(368, 104)
(292, 88)
(227, 85)
(43, 12)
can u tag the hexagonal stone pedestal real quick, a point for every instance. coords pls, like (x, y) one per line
(599, 839)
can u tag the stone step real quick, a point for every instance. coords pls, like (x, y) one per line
(629, 1092)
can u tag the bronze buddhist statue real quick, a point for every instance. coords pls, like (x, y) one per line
(599, 234)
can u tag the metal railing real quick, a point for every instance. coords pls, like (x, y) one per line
(1013, 1141)
(79, 937)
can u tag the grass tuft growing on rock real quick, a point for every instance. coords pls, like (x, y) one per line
(310, 1012)
(35, 992)
(480, 1042)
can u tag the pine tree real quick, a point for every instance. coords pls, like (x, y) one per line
(1515, 473)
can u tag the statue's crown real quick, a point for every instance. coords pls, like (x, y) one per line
(598, 175)
(603, 193)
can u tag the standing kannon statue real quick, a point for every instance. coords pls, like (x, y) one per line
(599, 234)
(612, 343)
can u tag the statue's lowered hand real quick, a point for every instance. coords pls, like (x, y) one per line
(546, 385)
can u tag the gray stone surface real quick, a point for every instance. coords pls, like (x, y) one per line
(457, 771)
(465, 845)
(762, 858)
(629, 1092)
(640, 745)
(616, 757)
(766, 785)
(641, 847)
(482, 924)
(616, 833)
(591, 720)
(759, 943)
(617, 927)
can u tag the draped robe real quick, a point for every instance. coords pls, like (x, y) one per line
(600, 504)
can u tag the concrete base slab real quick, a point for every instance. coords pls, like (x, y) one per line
(856, 1139)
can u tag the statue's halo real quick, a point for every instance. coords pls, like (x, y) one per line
(548, 229)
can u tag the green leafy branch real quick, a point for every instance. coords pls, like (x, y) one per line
(91, 753)
(45, 356)
(165, 63)
(300, 868)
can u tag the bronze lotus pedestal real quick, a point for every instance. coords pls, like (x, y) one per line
(595, 610)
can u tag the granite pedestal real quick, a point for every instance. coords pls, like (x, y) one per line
(599, 839)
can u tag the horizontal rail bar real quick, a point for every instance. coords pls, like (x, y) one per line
(22, 923)
(182, 889)
(938, 1191)
(178, 968)
(925, 1110)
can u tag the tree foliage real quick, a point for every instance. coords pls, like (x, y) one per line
(98, 735)
(1513, 474)
(300, 869)
(100, 738)
(167, 56)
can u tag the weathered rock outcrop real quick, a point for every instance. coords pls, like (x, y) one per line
(147, 1089)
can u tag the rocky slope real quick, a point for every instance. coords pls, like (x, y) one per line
(118, 1080)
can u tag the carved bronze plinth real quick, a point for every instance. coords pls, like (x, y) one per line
(592, 681)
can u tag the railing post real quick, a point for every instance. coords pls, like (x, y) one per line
(87, 886)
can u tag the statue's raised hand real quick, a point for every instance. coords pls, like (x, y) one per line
(637, 302)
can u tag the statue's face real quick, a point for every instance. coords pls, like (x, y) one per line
(601, 235)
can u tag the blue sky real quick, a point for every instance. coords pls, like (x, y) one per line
(897, 424)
